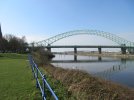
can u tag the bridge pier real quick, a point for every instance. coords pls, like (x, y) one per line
(123, 50)
(49, 48)
(75, 54)
(99, 50)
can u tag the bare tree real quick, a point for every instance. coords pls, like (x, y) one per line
(11, 43)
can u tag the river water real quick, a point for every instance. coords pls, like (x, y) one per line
(117, 70)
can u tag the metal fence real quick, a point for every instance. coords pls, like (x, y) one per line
(41, 84)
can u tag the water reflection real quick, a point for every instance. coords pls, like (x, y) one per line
(81, 61)
(106, 74)
(114, 69)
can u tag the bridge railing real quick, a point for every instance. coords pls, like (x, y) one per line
(41, 84)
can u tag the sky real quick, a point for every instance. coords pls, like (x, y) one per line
(41, 19)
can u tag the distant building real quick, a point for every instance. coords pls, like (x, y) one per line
(0, 32)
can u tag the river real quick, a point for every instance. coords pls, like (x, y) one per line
(117, 70)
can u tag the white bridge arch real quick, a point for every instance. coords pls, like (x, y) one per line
(107, 35)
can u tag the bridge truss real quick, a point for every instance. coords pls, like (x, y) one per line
(107, 35)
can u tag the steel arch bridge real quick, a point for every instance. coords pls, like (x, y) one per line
(106, 35)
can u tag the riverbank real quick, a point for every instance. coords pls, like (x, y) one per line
(83, 86)
(116, 55)
(103, 54)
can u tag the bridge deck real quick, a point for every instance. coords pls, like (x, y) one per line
(87, 46)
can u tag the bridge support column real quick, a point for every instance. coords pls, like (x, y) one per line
(49, 48)
(75, 54)
(99, 50)
(123, 50)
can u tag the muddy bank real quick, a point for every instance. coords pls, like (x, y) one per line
(103, 54)
(83, 86)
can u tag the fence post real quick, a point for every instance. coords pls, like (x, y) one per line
(32, 65)
(43, 78)
(37, 85)
(31, 62)
(38, 74)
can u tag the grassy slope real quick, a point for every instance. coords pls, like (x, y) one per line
(83, 86)
(16, 81)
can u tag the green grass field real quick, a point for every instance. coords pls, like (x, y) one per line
(16, 80)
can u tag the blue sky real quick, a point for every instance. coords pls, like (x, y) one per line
(41, 19)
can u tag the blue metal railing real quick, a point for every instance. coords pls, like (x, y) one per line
(42, 86)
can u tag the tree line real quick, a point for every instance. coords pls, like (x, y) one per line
(14, 44)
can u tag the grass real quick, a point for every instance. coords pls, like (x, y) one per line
(60, 90)
(16, 80)
(12, 56)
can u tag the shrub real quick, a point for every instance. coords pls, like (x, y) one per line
(42, 57)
